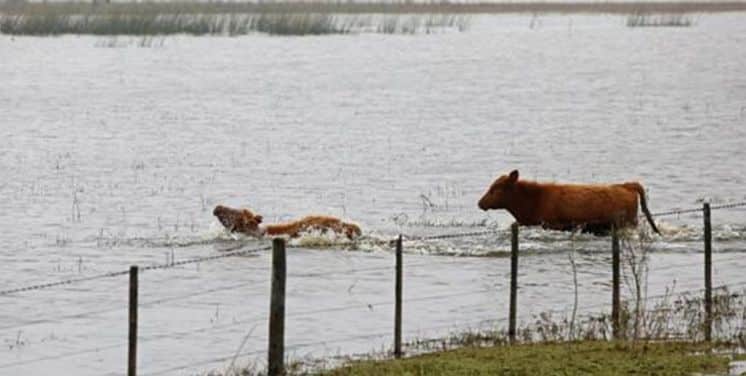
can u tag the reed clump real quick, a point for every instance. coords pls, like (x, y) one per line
(659, 20)
(140, 19)
(167, 24)
(369, 7)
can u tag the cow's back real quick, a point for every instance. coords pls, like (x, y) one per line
(565, 204)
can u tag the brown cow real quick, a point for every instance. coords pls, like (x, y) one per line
(593, 208)
(246, 222)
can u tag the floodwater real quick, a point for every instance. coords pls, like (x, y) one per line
(112, 157)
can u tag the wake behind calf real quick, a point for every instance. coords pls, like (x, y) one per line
(246, 222)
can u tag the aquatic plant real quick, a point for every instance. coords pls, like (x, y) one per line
(137, 21)
(662, 20)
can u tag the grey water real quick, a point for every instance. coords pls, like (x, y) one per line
(112, 157)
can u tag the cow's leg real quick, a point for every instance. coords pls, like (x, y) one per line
(598, 229)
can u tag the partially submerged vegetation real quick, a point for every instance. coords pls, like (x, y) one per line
(367, 7)
(662, 335)
(225, 24)
(571, 358)
(303, 18)
(660, 20)
(212, 19)
(664, 340)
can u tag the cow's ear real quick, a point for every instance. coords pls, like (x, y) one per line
(258, 219)
(513, 176)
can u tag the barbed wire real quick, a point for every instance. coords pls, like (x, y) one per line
(197, 260)
(144, 339)
(380, 268)
(386, 242)
(698, 210)
(455, 235)
(203, 362)
(43, 286)
(384, 332)
(699, 263)
(507, 231)
(254, 352)
(460, 328)
(123, 309)
(201, 259)
(668, 294)
(311, 312)
(389, 242)
(62, 355)
(584, 313)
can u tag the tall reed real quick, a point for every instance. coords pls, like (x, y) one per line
(661, 20)
(233, 24)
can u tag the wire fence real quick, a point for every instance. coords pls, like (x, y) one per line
(485, 327)
(234, 253)
(299, 313)
(731, 205)
(169, 265)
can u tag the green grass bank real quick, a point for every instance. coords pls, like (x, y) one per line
(570, 358)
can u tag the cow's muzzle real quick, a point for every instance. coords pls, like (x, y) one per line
(482, 205)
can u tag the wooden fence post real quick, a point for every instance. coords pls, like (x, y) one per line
(398, 296)
(615, 284)
(708, 272)
(513, 281)
(132, 349)
(277, 311)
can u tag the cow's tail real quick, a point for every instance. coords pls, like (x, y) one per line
(643, 204)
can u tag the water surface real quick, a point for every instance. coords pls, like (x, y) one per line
(116, 156)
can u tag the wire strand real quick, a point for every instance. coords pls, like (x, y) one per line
(697, 210)
(43, 286)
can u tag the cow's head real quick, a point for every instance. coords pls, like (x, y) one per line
(238, 220)
(500, 192)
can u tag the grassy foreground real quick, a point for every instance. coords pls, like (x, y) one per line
(572, 358)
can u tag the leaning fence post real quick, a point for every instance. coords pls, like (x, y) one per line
(398, 296)
(708, 272)
(513, 281)
(132, 349)
(615, 284)
(277, 310)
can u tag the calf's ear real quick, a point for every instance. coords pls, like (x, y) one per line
(258, 219)
(513, 176)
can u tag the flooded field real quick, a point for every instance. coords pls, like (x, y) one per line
(114, 154)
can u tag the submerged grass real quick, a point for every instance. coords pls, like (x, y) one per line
(19, 17)
(666, 341)
(660, 20)
(225, 24)
(368, 7)
(208, 19)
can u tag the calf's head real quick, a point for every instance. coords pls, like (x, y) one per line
(500, 192)
(238, 220)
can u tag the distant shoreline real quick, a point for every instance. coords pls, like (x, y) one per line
(183, 7)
